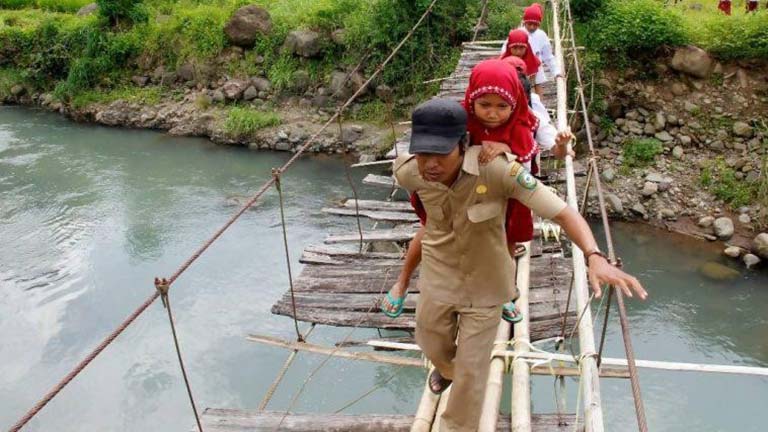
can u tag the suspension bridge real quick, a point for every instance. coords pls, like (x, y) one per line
(344, 279)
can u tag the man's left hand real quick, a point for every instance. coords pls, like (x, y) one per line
(602, 272)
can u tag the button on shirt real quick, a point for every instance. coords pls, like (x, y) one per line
(465, 260)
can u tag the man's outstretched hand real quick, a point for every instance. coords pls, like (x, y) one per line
(602, 272)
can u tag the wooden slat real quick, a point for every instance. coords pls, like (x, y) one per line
(398, 206)
(371, 236)
(237, 420)
(347, 253)
(540, 329)
(382, 216)
(379, 180)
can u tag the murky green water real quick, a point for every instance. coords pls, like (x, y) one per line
(88, 216)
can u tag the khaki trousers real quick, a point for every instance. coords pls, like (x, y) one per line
(465, 361)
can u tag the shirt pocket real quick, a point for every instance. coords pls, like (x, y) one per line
(484, 212)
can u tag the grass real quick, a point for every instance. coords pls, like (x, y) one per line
(641, 152)
(721, 181)
(243, 121)
(143, 95)
(8, 79)
(70, 6)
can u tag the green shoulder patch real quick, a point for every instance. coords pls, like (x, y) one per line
(526, 180)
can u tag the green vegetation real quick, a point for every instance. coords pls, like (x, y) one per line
(243, 121)
(72, 55)
(641, 152)
(49, 5)
(721, 180)
(635, 30)
(145, 95)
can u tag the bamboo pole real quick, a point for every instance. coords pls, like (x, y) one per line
(521, 371)
(425, 413)
(593, 410)
(441, 407)
(494, 388)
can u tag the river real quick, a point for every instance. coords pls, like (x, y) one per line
(90, 215)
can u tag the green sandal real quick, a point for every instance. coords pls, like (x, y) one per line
(510, 314)
(398, 303)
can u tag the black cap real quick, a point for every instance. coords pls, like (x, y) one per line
(437, 126)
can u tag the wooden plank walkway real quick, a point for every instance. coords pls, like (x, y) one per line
(235, 420)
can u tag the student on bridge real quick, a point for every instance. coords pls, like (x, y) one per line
(752, 5)
(518, 45)
(466, 272)
(725, 6)
(542, 48)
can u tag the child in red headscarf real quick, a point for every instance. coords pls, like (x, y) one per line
(542, 47)
(517, 45)
(752, 5)
(725, 6)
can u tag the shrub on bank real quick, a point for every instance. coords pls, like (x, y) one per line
(242, 121)
(634, 29)
(641, 152)
(733, 37)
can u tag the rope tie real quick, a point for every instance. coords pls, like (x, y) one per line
(278, 185)
(163, 286)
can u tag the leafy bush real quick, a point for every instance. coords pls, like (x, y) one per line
(16, 4)
(732, 37)
(721, 180)
(245, 121)
(62, 5)
(122, 11)
(635, 29)
(641, 152)
(585, 10)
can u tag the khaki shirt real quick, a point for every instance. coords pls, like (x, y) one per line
(465, 260)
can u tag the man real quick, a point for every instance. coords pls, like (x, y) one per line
(467, 273)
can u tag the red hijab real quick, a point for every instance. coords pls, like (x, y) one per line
(517, 63)
(533, 13)
(497, 77)
(520, 37)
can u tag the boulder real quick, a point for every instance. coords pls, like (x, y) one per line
(678, 89)
(261, 84)
(306, 43)
(88, 9)
(677, 152)
(614, 202)
(218, 96)
(301, 81)
(186, 72)
(233, 89)
(384, 92)
(664, 136)
(760, 245)
(649, 188)
(723, 227)
(742, 129)
(744, 219)
(733, 251)
(706, 221)
(18, 90)
(660, 121)
(717, 271)
(247, 24)
(692, 60)
(750, 260)
(140, 80)
(608, 174)
(250, 93)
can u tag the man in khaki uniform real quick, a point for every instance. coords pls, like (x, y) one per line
(467, 273)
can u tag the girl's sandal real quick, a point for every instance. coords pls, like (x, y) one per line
(519, 250)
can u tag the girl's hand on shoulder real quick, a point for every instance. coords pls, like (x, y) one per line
(491, 150)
